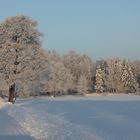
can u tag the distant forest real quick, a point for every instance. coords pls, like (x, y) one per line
(36, 72)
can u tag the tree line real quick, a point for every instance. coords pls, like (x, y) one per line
(34, 71)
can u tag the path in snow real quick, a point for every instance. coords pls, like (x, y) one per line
(10, 129)
(45, 126)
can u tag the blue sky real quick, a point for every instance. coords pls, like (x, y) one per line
(98, 28)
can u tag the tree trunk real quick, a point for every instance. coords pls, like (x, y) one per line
(11, 93)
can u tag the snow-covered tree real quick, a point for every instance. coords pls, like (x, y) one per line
(72, 62)
(113, 75)
(80, 67)
(82, 85)
(99, 78)
(21, 57)
(59, 79)
(119, 76)
(128, 79)
(135, 66)
(87, 71)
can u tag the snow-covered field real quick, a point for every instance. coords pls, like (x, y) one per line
(78, 118)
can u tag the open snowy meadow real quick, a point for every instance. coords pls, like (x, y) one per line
(72, 118)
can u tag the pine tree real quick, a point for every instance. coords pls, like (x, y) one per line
(128, 79)
(99, 83)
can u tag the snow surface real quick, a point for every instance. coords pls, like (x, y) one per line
(75, 118)
(10, 129)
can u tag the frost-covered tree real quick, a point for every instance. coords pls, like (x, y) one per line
(87, 71)
(135, 66)
(113, 75)
(82, 85)
(80, 66)
(59, 79)
(119, 76)
(129, 83)
(99, 77)
(21, 57)
(72, 62)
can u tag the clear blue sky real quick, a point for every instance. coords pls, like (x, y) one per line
(99, 28)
